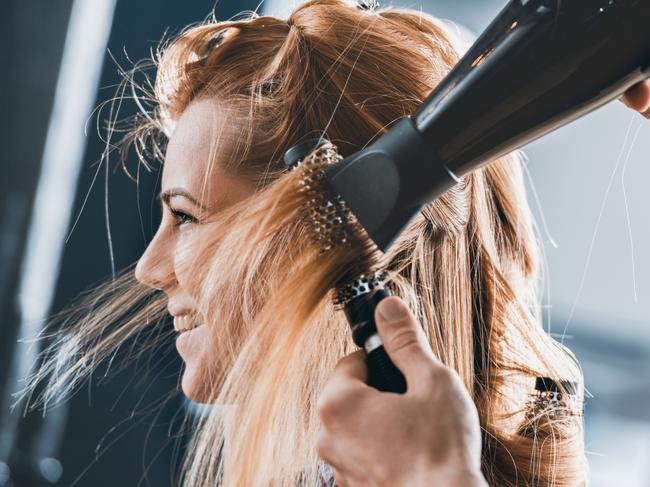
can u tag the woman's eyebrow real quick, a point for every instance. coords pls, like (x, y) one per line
(168, 194)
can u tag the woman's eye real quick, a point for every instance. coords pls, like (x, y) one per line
(182, 218)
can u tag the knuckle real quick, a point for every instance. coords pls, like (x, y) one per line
(444, 374)
(448, 377)
(325, 449)
(322, 409)
(322, 445)
(334, 403)
(438, 377)
(430, 380)
(328, 407)
(434, 376)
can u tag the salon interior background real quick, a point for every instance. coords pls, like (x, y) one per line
(590, 180)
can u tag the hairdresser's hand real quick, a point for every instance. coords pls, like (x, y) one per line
(638, 98)
(428, 436)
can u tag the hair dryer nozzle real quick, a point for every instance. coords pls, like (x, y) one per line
(386, 184)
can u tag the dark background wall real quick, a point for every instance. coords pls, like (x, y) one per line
(124, 431)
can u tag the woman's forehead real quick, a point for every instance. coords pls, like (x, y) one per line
(199, 150)
(200, 138)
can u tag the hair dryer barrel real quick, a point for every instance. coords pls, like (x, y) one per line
(539, 65)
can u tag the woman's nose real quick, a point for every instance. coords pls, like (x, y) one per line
(155, 268)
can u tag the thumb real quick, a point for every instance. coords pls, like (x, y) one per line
(404, 340)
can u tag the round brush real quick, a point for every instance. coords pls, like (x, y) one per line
(332, 224)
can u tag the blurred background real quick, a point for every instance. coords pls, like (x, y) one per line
(59, 59)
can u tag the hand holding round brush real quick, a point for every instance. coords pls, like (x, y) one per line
(428, 436)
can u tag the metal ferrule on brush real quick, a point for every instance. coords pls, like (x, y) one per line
(358, 299)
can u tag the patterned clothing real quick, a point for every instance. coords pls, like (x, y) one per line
(326, 476)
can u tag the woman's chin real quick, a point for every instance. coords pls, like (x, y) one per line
(193, 386)
(203, 364)
(193, 346)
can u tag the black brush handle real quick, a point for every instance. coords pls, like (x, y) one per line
(382, 373)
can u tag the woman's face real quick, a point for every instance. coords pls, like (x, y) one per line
(194, 186)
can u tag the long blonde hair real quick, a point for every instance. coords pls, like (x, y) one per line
(468, 265)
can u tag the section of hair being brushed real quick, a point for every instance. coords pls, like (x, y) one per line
(467, 266)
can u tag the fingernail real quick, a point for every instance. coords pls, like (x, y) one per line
(392, 310)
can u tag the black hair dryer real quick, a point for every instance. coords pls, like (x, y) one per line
(539, 65)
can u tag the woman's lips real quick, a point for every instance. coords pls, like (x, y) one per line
(189, 342)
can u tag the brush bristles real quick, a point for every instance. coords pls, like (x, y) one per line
(333, 226)
(329, 217)
(364, 284)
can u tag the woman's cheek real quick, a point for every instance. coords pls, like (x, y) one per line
(190, 257)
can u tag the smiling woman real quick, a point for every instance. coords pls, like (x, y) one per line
(258, 330)
(187, 202)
